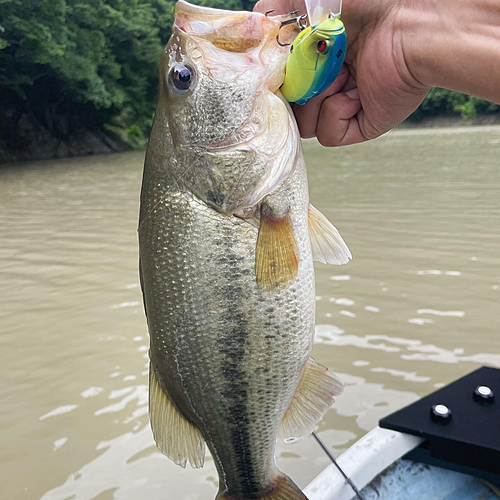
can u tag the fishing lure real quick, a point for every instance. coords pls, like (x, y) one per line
(317, 54)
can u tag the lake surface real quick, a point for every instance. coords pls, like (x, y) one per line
(417, 307)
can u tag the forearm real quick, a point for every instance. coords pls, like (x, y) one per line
(453, 44)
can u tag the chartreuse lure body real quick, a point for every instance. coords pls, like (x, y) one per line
(316, 57)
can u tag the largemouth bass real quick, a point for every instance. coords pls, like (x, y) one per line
(227, 241)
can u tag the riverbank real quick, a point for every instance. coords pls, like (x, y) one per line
(452, 121)
(26, 139)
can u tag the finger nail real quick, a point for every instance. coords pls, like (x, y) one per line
(353, 94)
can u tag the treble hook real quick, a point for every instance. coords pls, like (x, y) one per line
(299, 21)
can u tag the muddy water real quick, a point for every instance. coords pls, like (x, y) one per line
(417, 307)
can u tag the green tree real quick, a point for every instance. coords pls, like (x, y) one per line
(94, 60)
(446, 102)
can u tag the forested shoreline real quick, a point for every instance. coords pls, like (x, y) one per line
(80, 76)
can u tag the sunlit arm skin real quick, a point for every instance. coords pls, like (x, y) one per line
(397, 51)
(462, 48)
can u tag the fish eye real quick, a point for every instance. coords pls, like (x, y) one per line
(181, 78)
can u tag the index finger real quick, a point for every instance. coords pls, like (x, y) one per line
(307, 115)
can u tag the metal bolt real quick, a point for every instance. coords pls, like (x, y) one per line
(441, 414)
(483, 394)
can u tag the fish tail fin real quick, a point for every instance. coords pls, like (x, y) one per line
(283, 488)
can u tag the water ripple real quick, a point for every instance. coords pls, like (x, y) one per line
(454, 314)
(60, 410)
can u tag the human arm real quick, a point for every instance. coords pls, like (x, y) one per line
(397, 50)
(454, 44)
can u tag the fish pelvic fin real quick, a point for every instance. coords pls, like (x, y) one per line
(277, 253)
(312, 399)
(175, 436)
(283, 488)
(327, 245)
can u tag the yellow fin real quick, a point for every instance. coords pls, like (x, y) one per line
(283, 488)
(312, 399)
(177, 438)
(277, 253)
(327, 245)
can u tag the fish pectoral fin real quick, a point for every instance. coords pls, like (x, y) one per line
(277, 253)
(175, 436)
(283, 488)
(327, 245)
(312, 399)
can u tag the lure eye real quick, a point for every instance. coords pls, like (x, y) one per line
(181, 77)
(322, 46)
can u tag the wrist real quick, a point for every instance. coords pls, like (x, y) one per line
(454, 44)
(414, 32)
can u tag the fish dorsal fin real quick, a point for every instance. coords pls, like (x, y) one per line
(277, 253)
(327, 245)
(312, 399)
(175, 436)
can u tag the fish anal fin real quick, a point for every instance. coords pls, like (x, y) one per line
(277, 253)
(312, 399)
(283, 488)
(327, 245)
(175, 436)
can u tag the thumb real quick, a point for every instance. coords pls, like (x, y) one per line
(279, 6)
(267, 5)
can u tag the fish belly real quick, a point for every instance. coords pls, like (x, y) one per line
(229, 354)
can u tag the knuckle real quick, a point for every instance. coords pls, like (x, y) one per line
(307, 134)
(326, 140)
(329, 106)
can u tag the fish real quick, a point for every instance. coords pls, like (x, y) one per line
(227, 239)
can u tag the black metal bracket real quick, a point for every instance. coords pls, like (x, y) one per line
(461, 425)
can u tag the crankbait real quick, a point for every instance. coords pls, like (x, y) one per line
(317, 54)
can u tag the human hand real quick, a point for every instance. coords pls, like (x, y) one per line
(375, 90)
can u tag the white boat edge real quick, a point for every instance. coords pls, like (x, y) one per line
(362, 462)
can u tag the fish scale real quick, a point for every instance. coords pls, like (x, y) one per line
(213, 333)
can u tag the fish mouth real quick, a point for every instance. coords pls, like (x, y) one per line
(231, 43)
(252, 37)
(234, 31)
(204, 13)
